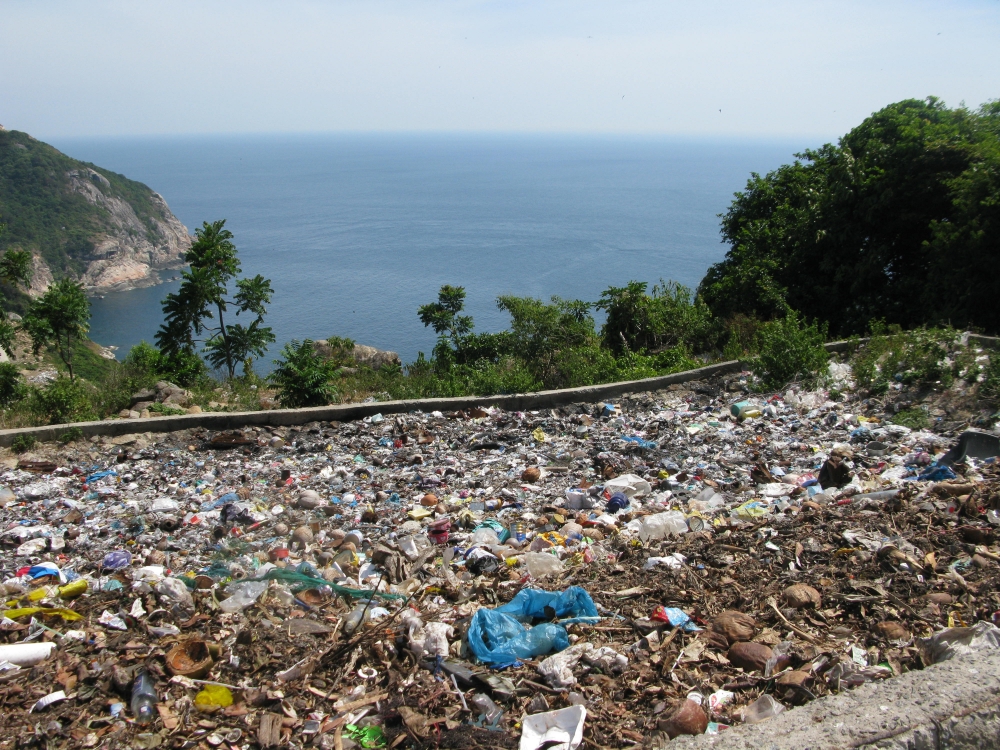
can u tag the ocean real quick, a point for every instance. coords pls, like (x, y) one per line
(357, 231)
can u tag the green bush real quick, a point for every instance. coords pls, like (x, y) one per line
(12, 385)
(302, 377)
(917, 357)
(670, 315)
(915, 419)
(71, 435)
(22, 443)
(63, 401)
(789, 350)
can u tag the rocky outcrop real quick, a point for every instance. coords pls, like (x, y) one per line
(367, 356)
(130, 252)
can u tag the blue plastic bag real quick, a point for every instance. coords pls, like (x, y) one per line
(499, 637)
(937, 474)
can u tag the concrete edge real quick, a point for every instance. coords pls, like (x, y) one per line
(954, 704)
(345, 412)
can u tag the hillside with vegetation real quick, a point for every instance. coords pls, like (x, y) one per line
(892, 234)
(83, 222)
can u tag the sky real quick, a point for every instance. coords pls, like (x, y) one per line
(705, 68)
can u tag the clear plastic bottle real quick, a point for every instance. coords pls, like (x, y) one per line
(487, 707)
(144, 697)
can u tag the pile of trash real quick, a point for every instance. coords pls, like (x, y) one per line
(678, 562)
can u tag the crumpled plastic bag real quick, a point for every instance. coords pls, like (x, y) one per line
(558, 668)
(498, 636)
(554, 730)
(947, 644)
(629, 484)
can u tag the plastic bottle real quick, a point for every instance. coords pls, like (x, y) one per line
(357, 616)
(487, 708)
(144, 698)
(763, 708)
(243, 595)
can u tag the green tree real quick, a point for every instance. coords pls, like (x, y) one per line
(15, 270)
(451, 327)
(855, 231)
(668, 316)
(59, 318)
(204, 296)
(303, 377)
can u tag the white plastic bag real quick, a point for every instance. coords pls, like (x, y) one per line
(541, 564)
(555, 730)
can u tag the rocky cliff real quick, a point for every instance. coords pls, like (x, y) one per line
(81, 221)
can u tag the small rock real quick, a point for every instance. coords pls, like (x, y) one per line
(531, 475)
(981, 562)
(801, 595)
(749, 656)
(194, 409)
(690, 718)
(735, 626)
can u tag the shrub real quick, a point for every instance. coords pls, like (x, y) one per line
(302, 377)
(916, 357)
(144, 357)
(71, 435)
(670, 315)
(12, 385)
(22, 443)
(915, 419)
(63, 401)
(789, 350)
(165, 410)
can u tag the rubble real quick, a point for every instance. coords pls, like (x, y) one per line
(601, 574)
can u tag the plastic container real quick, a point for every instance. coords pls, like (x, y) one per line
(541, 564)
(761, 709)
(242, 595)
(144, 698)
(26, 654)
(660, 525)
(487, 708)
(357, 617)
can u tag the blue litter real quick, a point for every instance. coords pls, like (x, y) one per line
(937, 474)
(101, 475)
(648, 444)
(499, 637)
(680, 619)
(229, 497)
(617, 502)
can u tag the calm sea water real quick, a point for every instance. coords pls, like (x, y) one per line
(357, 231)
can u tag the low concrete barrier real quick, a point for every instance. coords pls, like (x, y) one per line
(345, 412)
(955, 704)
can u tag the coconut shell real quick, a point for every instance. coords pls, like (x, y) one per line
(750, 656)
(309, 500)
(190, 659)
(429, 500)
(531, 475)
(801, 595)
(690, 718)
(797, 678)
(893, 631)
(735, 626)
(302, 536)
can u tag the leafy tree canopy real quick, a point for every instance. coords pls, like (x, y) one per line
(898, 221)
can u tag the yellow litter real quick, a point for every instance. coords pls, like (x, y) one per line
(214, 696)
(67, 614)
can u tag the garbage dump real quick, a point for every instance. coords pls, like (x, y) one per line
(611, 574)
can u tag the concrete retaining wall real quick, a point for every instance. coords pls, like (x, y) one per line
(345, 412)
(955, 704)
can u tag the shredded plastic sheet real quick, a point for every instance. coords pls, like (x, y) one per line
(67, 614)
(300, 581)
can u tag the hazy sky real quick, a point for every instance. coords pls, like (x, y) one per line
(786, 67)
